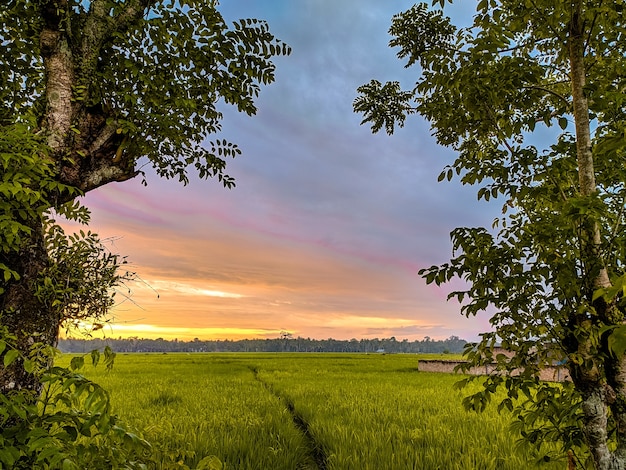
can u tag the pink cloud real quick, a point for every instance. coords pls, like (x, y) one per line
(266, 282)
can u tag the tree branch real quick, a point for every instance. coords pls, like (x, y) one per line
(547, 90)
(542, 13)
(90, 173)
(133, 10)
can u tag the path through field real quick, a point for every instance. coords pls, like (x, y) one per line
(316, 449)
(284, 411)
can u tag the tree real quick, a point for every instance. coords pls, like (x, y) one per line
(551, 270)
(91, 90)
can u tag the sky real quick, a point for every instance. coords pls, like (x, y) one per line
(328, 225)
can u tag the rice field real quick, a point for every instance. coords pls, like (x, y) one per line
(305, 411)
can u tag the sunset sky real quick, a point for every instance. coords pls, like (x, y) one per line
(328, 225)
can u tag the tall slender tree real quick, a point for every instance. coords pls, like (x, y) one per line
(551, 270)
(88, 89)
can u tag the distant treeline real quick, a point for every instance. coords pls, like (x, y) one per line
(285, 343)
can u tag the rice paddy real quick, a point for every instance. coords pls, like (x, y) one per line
(305, 411)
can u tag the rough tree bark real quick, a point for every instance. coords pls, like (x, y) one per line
(23, 313)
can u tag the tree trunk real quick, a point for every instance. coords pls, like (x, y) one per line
(23, 314)
(606, 392)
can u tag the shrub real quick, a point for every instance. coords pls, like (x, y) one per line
(67, 424)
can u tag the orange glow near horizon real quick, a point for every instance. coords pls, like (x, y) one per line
(147, 331)
(238, 284)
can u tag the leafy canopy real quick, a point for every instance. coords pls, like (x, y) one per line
(499, 93)
(159, 69)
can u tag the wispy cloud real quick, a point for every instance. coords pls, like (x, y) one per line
(187, 289)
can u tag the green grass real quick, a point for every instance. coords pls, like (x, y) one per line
(194, 406)
(360, 411)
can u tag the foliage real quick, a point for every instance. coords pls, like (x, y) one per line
(550, 271)
(81, 283)
(69, 425)
(154, 70)
(27, 189)
(151, 75)
(90, 87)
(87, 90)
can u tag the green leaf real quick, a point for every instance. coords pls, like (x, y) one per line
(69, 465)
(77, 363)
(617, 341)
(484, 89)
(9, 455)
(29, 365)
(10, 356)
(95, 357)
(210, 462)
